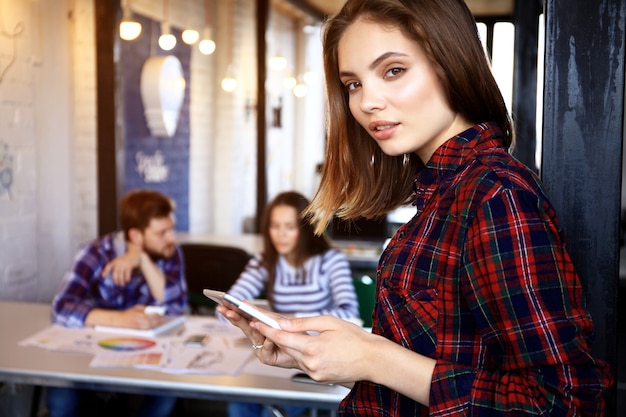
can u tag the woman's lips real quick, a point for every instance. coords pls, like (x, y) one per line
(383, 130)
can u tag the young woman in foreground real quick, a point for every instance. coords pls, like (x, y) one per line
(479, 310)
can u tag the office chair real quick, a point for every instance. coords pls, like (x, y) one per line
(365, 288)
(210, 266)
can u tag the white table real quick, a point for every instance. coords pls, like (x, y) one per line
(41, 367)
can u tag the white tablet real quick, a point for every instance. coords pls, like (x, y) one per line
(247, 310)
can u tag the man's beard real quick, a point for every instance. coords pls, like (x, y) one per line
(156, 256)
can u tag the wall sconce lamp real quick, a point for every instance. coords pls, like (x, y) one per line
(130, 29)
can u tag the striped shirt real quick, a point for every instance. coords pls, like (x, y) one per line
(322, 286)
(480, 280)
(84, 289)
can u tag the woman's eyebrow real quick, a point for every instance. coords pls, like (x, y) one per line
(374, 63)
(383, 57)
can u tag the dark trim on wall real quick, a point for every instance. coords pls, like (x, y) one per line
(309, 9)
(526, 20)
(106, 12)
(582, 150)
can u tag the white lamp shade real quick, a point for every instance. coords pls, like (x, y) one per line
(162, 93)
(278, 62)
(190, 36)
(129, 30)
(229, 84)
(167, 41)
(300, 90)
(289, 83)
(206, 46)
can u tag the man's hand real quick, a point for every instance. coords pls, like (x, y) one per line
(121, 268)
(133, 318)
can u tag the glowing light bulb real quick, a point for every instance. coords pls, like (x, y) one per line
(129, 29)
(167, 41)
(278, 62)
(206, 46)
(289, 83)
(190, 36)
(300, 90)
(229, 84)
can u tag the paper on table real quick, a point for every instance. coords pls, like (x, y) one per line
(171, 322)
(151, 359)
(226, 353)
(221, 355)
(64, 339)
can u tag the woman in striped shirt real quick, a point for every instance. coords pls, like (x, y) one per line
(298, 272)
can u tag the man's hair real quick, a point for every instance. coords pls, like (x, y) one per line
(139, 207)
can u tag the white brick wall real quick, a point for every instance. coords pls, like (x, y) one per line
(18, 151)
(48, 131)
(48, 134)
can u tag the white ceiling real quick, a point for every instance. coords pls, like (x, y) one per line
(478, 7)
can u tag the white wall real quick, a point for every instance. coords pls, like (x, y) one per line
(39, 222)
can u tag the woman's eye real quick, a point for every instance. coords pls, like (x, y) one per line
(352, 85)
(394, 72)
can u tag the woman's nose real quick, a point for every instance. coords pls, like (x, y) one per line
(371, 100)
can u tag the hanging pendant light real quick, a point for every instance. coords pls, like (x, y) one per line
(190, 36)
(277, 62)
(229, 82)
(130, 29)
(206, 45)
(167, 41)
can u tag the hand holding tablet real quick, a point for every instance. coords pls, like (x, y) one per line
(246, 310)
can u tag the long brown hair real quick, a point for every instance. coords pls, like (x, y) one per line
(309, 243)
(358, 179)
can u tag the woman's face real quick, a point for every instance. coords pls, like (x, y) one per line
(284, 230)
(394, 92)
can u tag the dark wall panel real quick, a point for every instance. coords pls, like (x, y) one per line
(582, 147)
(166, 155)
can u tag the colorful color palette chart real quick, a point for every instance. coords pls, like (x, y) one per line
(126, 344)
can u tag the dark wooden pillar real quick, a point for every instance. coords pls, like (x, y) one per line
(582, 147)
(262, 19)
(526, 20)
(106, 12)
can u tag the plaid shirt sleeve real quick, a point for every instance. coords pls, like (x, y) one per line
(524, 295)
(84, 289)
(78, 295)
